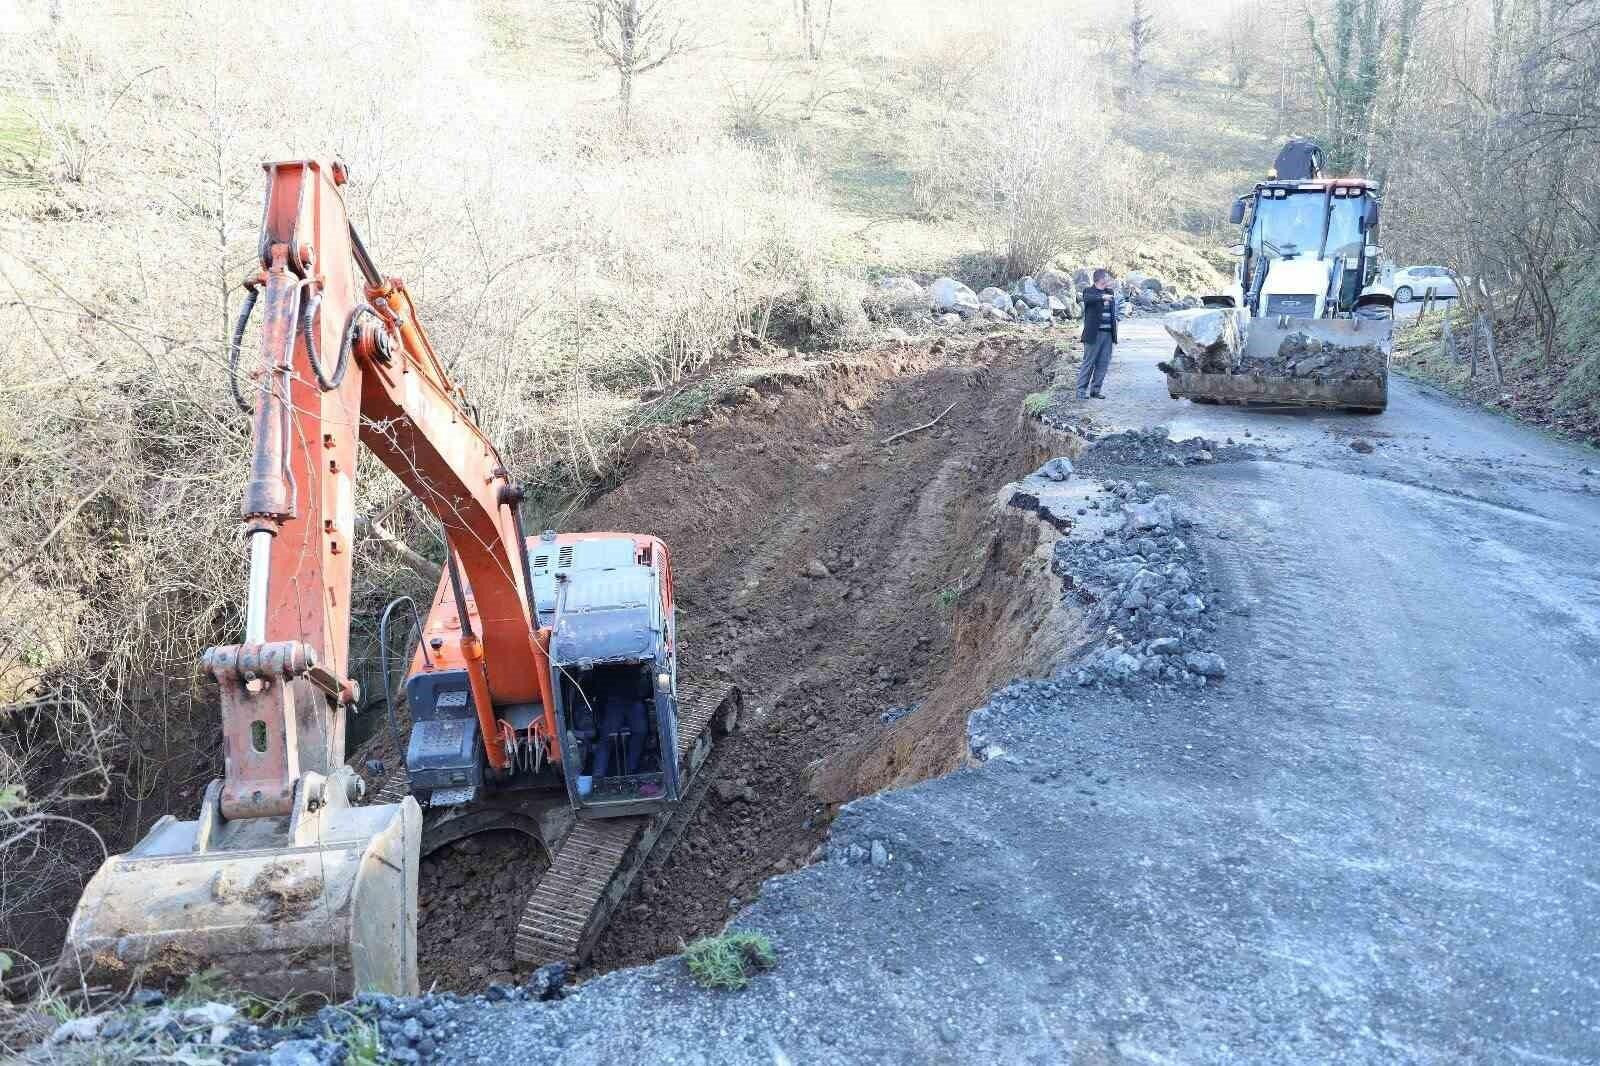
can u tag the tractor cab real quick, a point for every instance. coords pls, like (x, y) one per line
(608, 601)
(1308, 247)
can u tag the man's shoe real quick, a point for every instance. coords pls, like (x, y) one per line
(1083, 396)
(1097, 396)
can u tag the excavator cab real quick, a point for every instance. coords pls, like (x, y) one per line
(612, 657)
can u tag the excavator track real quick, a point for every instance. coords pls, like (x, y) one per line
(596, 865)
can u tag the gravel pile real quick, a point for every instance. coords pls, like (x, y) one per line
(406, 1030)
(1146, 590)
(1154, 447)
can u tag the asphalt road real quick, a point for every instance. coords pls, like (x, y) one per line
(1375, 841)
(1412, 307)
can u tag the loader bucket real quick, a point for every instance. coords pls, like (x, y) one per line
(323, 901)
(1302, 362)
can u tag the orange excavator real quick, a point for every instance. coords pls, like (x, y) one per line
(543, 694)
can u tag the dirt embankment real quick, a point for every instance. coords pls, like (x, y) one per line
(864, 596)
(1529, 390)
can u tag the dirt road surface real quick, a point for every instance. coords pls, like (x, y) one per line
(1373, 841)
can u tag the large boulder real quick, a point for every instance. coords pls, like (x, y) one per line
(996, 298)
(950, 296)
(1032, 294)
(1053, 282)
(1210, 338)
(897, 296)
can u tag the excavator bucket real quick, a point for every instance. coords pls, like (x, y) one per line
(321, 901)
(1300, 362)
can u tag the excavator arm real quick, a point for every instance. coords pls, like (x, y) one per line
(345, 357)
(283, 881)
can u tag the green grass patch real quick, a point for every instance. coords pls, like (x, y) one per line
(18, 134)
(363, 1046)
(1037, 403)
(729, 961)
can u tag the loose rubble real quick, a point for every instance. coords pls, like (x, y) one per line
(1155, 447)
(1146, 591)
(1133, 567)
(405, 1030)
(1052, 296)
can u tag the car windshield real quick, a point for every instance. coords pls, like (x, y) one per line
(1344, 226)
(1290, 226)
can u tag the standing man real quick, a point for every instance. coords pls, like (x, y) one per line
(1099, 334)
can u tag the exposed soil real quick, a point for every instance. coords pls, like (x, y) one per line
(862, 595)
(470, 896)
(865, 597)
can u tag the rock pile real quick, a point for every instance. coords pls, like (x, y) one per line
(1155, 447)
(407, 1030)
(1304, 356)
(1150, 294)
(1144, 586)
(1041, 299)
(1212, 340)
(1146, 589)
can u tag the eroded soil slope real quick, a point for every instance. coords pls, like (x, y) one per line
(839, 581)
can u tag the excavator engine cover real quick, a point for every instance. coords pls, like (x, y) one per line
(323, 900)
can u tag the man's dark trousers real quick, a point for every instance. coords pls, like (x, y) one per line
(1096, 361)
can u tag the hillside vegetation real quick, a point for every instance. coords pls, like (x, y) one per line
(569, 266)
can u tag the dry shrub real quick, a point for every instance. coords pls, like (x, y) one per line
(559, 268)
(1032, 162)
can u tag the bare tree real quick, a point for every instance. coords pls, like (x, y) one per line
(1142, 35)
(636, 37)
(816, 16)
(1242, 43)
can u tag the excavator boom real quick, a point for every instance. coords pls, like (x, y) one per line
(283, 881)
(544, 693)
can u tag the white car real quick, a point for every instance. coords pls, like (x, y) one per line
(1413, 283)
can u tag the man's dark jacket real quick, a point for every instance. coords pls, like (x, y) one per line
(1092, 306)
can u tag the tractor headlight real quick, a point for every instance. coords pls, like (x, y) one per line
(664, 680)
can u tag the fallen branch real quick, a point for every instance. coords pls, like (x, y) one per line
(401, 550)
(918, 429)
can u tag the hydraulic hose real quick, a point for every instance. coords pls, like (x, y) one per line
(308, 314)
(239, 325)
(383, 664)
